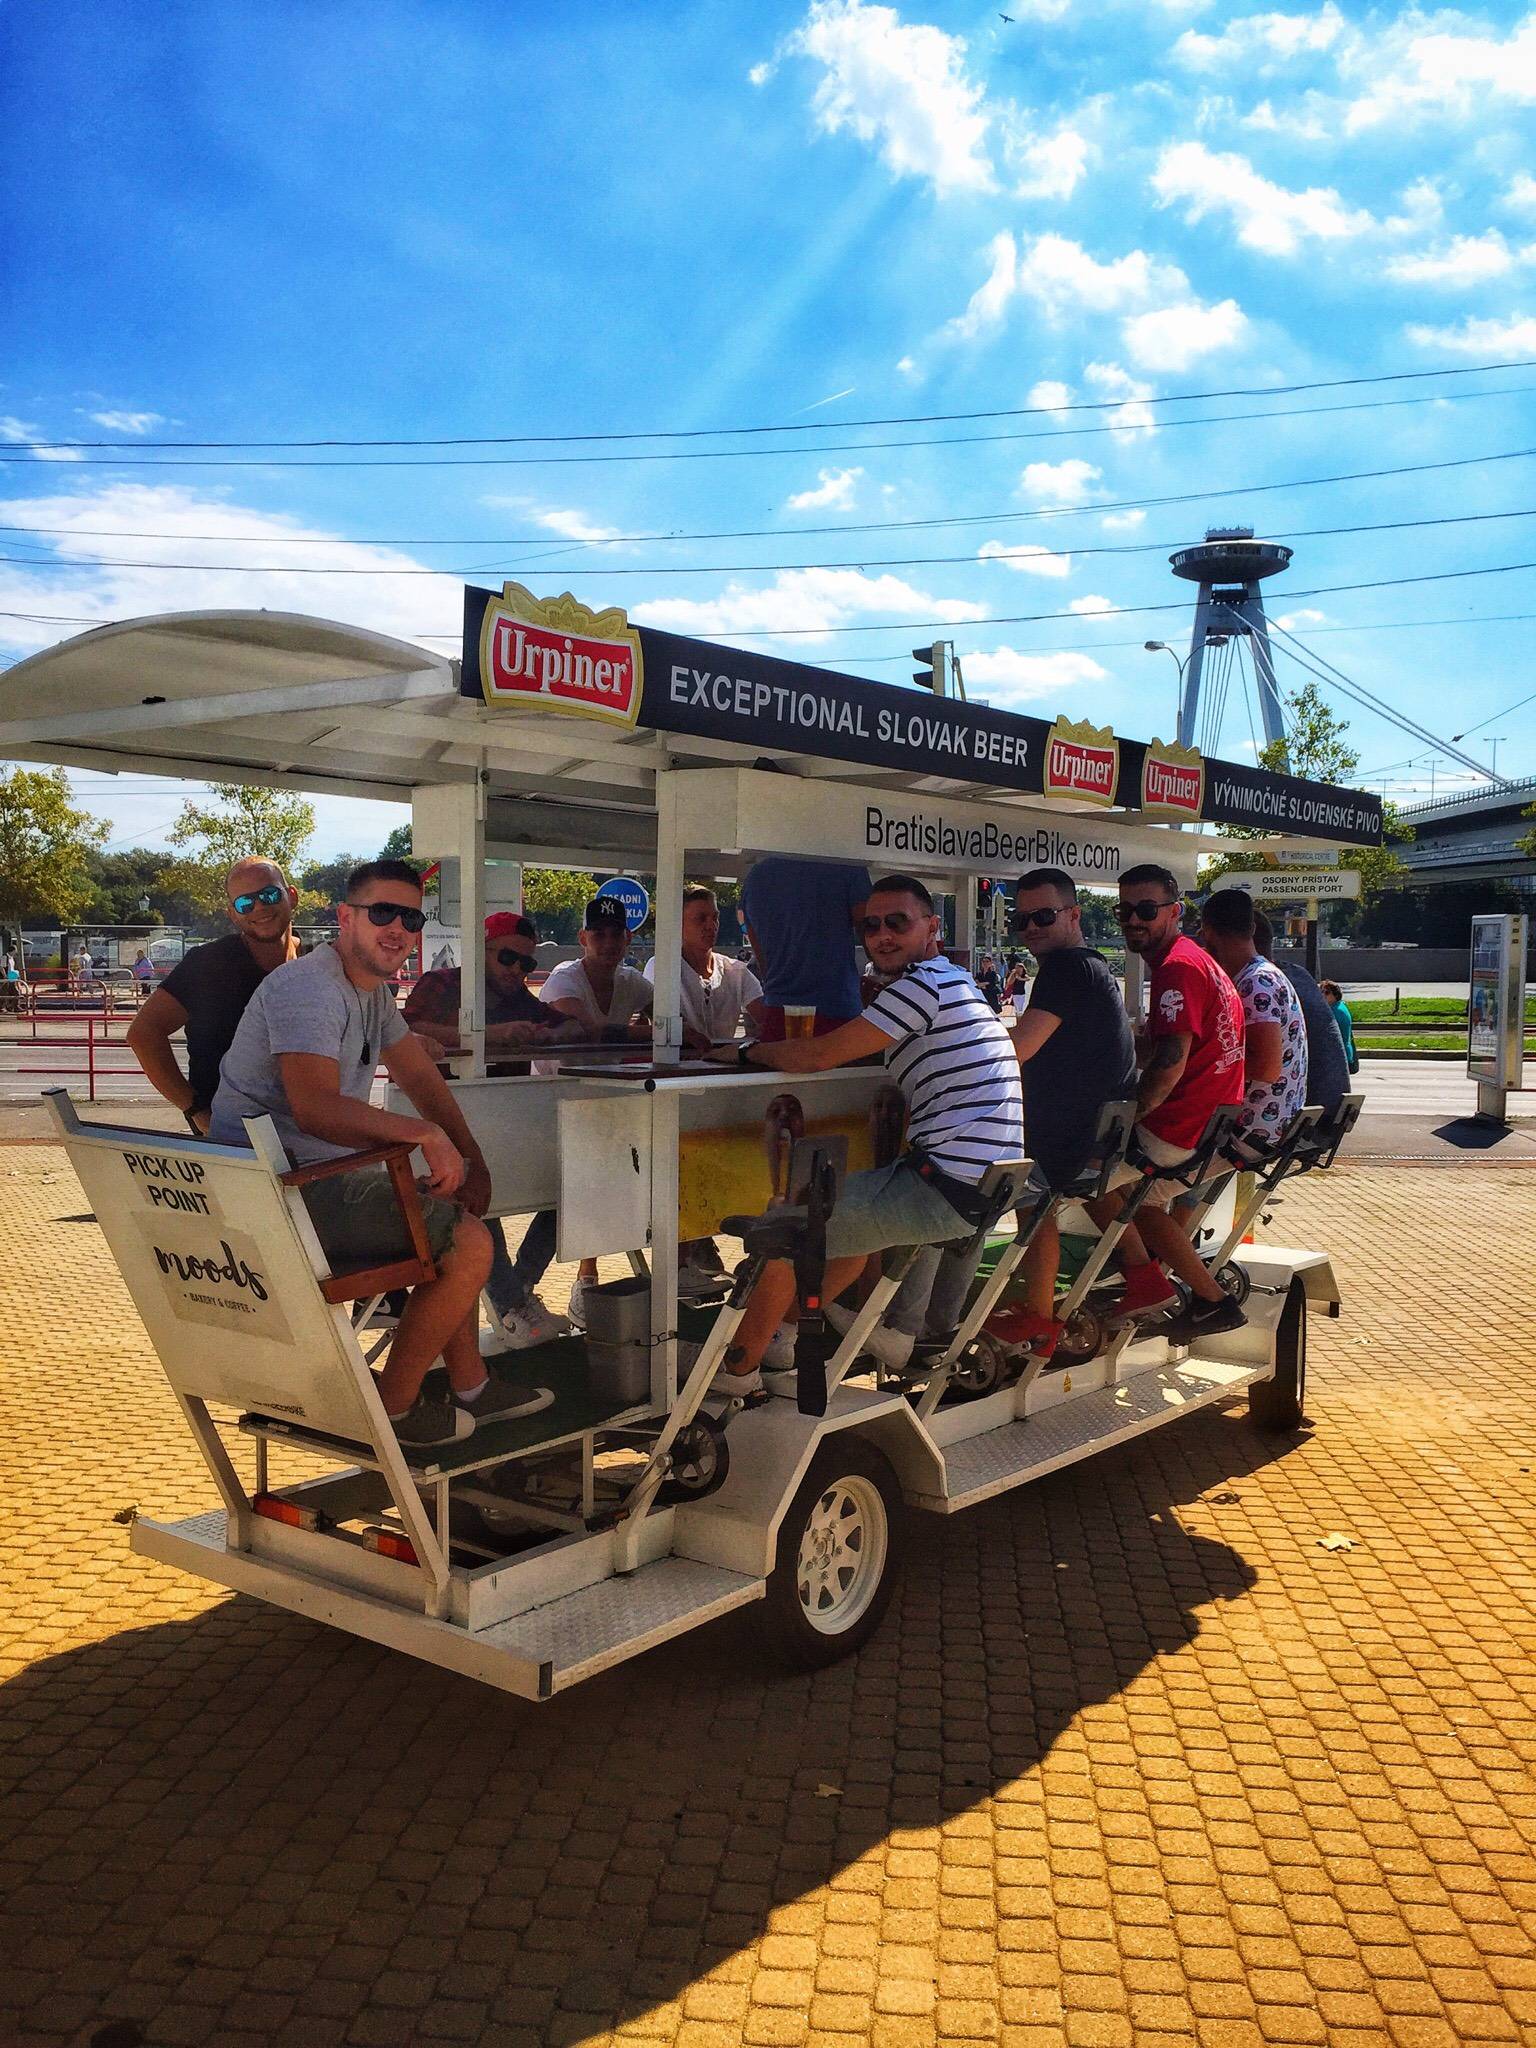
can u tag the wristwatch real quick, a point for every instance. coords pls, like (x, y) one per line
(741, 1053)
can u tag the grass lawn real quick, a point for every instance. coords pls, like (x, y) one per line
(1420, 1041)
(1417, 1009)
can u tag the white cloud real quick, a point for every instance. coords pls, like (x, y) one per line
(987, 304)
(128, 422)
(1492, 338)
(1072, 482)
(1262, 41)
(13, 429)
(193, 526)
(1289, 621)
(1521, 193)
(1009, 675)
(572, 524)
(833, 490)
(1049, 396)
(816, 599)
(1026, 556)
(1039, 10)
(1423, 209)
(1413, 70)
(1174, 337)
(1062, 276)
(1302, 119)
(1134, 417)
(1088, 607)
(1268, 217)
(761, 73)
(1123, 522)
(908, 368)
(900, 85)
(1464, 260)
(1052, 166)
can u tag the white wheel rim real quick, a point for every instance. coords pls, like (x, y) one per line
(842, 1554)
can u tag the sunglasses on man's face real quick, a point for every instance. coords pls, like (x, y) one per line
(384, 914)
(508, 957)
(1044, 918)
(271, 896)
(893, 920)
(1143, 910)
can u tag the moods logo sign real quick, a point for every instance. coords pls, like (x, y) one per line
(1082, 761)
(1172, 781)
(557, 654)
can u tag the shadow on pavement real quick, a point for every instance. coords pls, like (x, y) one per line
(224, 1823)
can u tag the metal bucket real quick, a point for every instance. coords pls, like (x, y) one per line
(619, 1340)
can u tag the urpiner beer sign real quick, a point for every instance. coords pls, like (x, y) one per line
(557, 654)
(1172, 781)
(1082, 761)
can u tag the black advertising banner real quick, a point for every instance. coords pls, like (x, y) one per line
(559, 653)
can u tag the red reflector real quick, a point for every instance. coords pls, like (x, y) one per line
(1248, 1237)
(387, 1544)
(276, 1509)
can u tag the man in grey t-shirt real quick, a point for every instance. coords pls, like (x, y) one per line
(304, 1054)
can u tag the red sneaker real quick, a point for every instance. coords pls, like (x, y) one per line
(1019, 1325)
(1147, 1289)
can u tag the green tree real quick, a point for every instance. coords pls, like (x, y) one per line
(259, 824)
(45, 847)
(323, 883)
(555, 899)
(398, 846)
(1527, 845)
(1319, 751)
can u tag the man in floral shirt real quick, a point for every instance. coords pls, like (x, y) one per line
(1275, 1040)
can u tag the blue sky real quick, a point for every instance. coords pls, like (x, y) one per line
(307, 222)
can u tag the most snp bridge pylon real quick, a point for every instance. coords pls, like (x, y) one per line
(1229, 566)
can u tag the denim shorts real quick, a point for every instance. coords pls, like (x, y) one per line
(888, 1206)
(359, 1224)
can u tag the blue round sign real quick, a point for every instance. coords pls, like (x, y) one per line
(637, 904)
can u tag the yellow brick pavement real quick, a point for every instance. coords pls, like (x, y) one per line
(1133, 1760)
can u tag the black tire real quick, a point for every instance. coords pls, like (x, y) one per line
(701, 1458)
(850, 1496)
(1277, 1403)
(1234, 1280)
(1081, 1340)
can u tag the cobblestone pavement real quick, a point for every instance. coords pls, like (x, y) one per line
(1132, 1760)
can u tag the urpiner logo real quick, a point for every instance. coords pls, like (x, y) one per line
(1172, 781)
(1170, 1004)
(1082, 761)
(557, 654)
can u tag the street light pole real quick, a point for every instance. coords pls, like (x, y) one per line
(1161, 646)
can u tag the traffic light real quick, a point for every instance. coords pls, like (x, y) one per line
(939, 673)
(925, 677)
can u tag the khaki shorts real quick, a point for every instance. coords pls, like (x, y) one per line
(359, 1224)
(1161, 1153)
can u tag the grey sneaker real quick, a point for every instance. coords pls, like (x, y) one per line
(431, 1420)
(500, 1401)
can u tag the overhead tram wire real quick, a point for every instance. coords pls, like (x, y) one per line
(18, 452)
(1091, 510)
(822, 426)
(862, 562)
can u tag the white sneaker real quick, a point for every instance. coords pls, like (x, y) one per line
(726, 1385)
(576, 1308)
(521, 1328)
(891, 1349)
(779, 1354)
(695, 1278)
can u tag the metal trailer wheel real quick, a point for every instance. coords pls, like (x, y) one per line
(839, 1550)
(1277, 1403)
(701, 1458)
(986, 1367)
(1234, 1280)
(1082, 1339)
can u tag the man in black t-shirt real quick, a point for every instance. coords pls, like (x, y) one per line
(205, 994)
(1075, 1045)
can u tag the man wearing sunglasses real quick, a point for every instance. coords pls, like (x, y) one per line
(206, 992)
(954, 1063)
(1192, 1064)
(305, 1054)
(1075, 1047)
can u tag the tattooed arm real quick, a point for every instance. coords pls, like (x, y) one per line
(1161, 1074)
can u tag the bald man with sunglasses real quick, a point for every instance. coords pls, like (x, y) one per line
(206, 992)
(305, 1055)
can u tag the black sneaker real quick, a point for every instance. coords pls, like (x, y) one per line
(1204, 1319)
(503, 1402)
(433, 1421)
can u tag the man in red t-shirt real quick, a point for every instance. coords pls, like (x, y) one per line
(1192, 1064)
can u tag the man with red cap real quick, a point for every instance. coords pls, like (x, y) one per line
(514, 1020)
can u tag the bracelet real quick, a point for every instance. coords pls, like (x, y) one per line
(741, 1053)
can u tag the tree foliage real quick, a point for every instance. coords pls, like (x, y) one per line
(45, 845)
(254, 824)
(555, 899)
(1527, 844)
(119, 882)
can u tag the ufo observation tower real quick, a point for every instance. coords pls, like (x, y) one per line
(1230, 566)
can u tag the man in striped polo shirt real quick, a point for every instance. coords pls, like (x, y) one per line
(956, 1066)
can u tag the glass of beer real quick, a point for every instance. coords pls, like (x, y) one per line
(799, 1020)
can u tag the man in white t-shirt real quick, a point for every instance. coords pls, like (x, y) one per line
(956, 1066)
(717, 993)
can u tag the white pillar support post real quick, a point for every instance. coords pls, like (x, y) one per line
(470, 837)
(667, 910)
(965, 920)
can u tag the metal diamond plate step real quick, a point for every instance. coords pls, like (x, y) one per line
(986, 1465)
(586, 1632)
